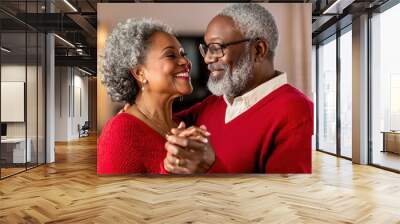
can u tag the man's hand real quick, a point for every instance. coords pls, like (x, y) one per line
(188, 151)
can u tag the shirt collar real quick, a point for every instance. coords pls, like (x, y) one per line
(261, 91)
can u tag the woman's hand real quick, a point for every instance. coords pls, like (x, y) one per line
(188, 151)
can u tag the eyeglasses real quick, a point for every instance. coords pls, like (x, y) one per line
(216, 49)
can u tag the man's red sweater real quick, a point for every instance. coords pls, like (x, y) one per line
(273, 136)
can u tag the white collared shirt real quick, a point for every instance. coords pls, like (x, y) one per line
(244, 102)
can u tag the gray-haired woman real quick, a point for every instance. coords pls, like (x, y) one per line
(145, 66)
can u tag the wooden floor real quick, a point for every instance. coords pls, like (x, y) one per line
(10, 171)
(387, 159)
(69, 191)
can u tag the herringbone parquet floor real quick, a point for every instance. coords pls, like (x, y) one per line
(69, 191)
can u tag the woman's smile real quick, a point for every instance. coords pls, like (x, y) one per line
(183, 75)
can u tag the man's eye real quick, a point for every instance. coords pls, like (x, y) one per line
(213, 49)
(171, 55)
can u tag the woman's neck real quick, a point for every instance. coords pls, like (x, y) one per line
(158, 108)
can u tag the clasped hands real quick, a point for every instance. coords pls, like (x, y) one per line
(188, 150)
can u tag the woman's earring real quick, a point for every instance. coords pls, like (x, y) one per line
(144, 83)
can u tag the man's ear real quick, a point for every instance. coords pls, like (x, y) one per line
(261, 50)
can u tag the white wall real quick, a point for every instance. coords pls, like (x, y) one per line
(33, 127)
(16, 73)
(71, 93)
(61, 103)
(79, 117)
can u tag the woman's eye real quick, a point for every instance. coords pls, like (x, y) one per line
(171, 55)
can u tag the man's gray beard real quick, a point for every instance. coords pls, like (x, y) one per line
(233, 83)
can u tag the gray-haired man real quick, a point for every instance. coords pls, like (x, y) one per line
(258, 122)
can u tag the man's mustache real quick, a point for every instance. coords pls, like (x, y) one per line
(217, 66)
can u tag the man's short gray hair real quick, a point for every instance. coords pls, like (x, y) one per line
(126, 47)
(254, 21)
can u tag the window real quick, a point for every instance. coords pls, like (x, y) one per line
(22, 65)
(385, 89)
(327, 96)
(346, 93)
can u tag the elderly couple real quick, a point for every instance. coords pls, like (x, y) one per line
(255, 122)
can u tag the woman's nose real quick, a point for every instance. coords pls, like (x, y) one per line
(187, 63)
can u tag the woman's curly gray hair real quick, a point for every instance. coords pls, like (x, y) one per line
(254, 21)
(126, 48)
